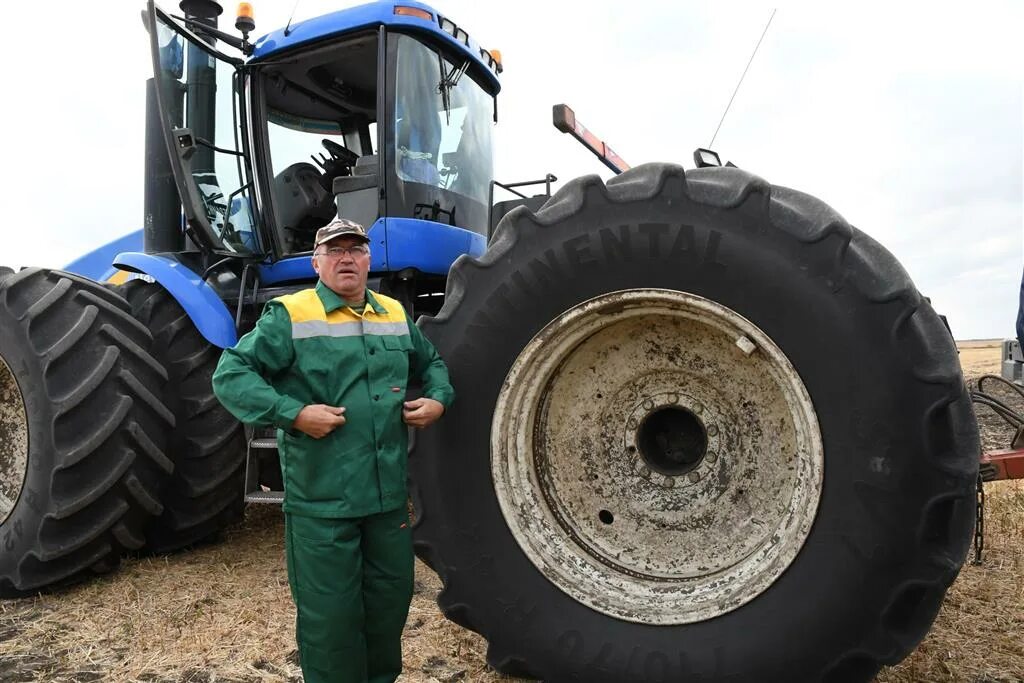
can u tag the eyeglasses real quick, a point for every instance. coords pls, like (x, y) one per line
(338, 252)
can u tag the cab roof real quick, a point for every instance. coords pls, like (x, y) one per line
(405, 14)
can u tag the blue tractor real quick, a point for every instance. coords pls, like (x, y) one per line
(705, 428)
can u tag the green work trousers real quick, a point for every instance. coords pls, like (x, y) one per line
(351, 580)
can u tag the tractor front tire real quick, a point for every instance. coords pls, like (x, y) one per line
(82, 430)
(205, 492)
(704, 430)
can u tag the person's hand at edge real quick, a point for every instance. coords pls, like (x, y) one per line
(422, 412)
(319, 420)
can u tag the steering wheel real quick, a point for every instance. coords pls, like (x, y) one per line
(339, 153)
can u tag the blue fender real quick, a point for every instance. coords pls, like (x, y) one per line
(96, 264)
(207, 311)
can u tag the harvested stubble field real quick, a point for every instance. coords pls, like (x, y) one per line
(222, 612)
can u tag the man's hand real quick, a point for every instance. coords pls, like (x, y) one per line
(422, 412)
(319, 420)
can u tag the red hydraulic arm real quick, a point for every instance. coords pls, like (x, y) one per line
(1003, 464)
(565, 121)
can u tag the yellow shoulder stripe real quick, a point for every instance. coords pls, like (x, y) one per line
(395, 313)
(303, 306)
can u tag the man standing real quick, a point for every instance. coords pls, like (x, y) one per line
(328, 367)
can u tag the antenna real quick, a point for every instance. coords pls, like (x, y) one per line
(288, 26)
(749, 62)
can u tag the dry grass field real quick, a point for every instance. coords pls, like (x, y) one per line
(222, 612)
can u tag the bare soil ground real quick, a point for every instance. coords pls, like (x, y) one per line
(222, 612)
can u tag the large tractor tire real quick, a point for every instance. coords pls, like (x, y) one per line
(704, 430)
(205, 493)
(82, 430)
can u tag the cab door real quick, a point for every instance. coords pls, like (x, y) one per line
(202, 109)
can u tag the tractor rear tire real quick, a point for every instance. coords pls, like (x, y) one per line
(704, 429)
(205, 492)
(82, 430)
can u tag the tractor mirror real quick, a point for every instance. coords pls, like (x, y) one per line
(705, 158)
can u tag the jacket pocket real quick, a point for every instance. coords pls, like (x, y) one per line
(324, 471)
(397, 342)
(397, 363)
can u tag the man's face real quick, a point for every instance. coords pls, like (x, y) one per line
(344, 274)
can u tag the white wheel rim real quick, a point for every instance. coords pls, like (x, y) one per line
(13, 441)
(656, 456)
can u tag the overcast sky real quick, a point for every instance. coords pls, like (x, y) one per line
(908, 118)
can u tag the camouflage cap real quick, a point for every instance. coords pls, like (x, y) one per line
(340, 227)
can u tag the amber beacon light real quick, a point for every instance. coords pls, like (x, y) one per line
(244, 21)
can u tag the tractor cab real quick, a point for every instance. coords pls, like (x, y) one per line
(381, 113)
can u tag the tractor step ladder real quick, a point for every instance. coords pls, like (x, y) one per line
(261, 454)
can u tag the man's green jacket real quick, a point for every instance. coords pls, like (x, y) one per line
(311, 347)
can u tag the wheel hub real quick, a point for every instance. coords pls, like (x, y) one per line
(656, 456)
(672, 441)
(13, 441)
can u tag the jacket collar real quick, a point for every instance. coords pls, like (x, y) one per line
(332, 302)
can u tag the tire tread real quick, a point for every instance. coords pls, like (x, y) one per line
(92, 499)
(204, 493)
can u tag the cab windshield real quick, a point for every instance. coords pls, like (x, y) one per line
(443, 123)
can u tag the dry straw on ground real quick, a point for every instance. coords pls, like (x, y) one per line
(222, 612)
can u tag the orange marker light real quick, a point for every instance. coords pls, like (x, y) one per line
(245, 10)
(496, 54)
(414, 12)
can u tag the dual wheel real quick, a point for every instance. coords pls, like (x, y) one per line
(108, 441)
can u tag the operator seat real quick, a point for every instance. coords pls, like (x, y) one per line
(303, 205)
(356, 196)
